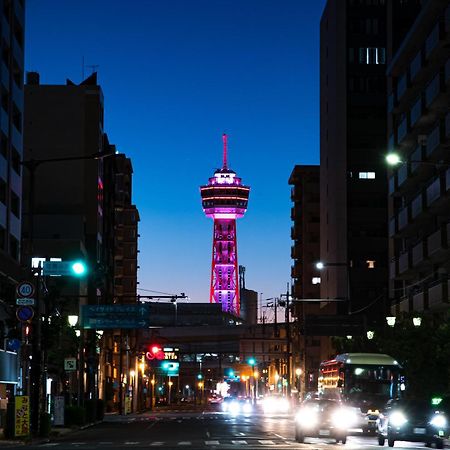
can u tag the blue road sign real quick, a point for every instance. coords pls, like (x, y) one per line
(24, 313)
(115, 316)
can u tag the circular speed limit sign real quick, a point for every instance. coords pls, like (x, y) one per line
(25, 289)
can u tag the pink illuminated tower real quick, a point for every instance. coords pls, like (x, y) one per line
(225, 199)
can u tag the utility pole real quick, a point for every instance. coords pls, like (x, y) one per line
(288, 345)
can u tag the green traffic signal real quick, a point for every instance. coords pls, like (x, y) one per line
(78, 268)
(252, 361)
(199, 376)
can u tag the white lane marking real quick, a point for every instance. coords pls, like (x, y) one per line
(279, 435)
(239, 442)
(207, 434)
(78, 443)
(184, 443)
(50, 444)
(242, 434)
(156, 443)
(105, 443)
(266, 442)
(131, 443)
(212, 443)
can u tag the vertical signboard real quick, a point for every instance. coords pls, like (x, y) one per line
(22, 415)
(59, 410)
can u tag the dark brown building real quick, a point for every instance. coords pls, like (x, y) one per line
(353, 193)
(307, 350)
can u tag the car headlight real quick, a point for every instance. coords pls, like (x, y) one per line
(283, 405)
(343, 418)
(234, 408)
(247, 408)
(307, 418)
(397, 419)
(439, 421)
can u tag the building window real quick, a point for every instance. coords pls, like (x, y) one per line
(3, 191)
(370, 263)
(316, 280)
(15, 204)
(13, 247)
(15, 160)
(366, 175)
(372, 55)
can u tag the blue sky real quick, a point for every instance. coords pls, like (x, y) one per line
(176, 74)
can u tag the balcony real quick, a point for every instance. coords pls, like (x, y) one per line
(393, 269)
(402, 129)
(432, 41)
(392, 184)
(402, 218)
(392, 226)
(438, 295)
(433, 191)
(403, 262)
(433, 140)
(402, 174)
(435, 244)
(418, 301)
(403, 305)
(415, 66)
(296, 271)
(402, 85)
(417, 254)
(295, 233)
(416, 111)
(432, 90)
(296, 252)
(417, 206)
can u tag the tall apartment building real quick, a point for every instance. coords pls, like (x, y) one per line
(12, 18)
(120, 256)
(419, 132)
(308, 350)
(353, 192)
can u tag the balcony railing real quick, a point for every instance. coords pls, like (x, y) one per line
(417, 206)
(418, 301)
(433, 191)
(403, 262)
(417, 254)
(437, 294)
(434, 242)
(416, 65)
(432, 41)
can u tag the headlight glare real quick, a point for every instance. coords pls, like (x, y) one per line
(439, 421)
(344, 418)
(397, 419)
(307, 418)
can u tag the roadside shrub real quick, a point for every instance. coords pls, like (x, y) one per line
(74, 415)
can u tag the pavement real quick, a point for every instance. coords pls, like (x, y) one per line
(58, 431)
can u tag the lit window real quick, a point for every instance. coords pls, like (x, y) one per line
(366, 175)
(316, 280)
(370, 264)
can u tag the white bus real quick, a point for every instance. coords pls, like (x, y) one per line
(363, 380)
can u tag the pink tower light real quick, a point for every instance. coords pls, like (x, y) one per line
(225, 199)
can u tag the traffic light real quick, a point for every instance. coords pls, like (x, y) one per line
(252, 361)
(199, 376)
(78, 268)
(155, 352)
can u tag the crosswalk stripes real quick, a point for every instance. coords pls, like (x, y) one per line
(208, 443)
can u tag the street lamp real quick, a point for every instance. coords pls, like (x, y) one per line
(73, 320)
(370, 334)
(393, 159)
(417, 321)
(391, 320)
(320, 265)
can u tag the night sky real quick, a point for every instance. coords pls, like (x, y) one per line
(176, 74)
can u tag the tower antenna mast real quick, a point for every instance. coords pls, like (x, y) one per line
(225, 150)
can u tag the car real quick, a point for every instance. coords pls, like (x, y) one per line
(237, 406)
(323, 418)
(214, 399)
(414, 420)
(275, 404)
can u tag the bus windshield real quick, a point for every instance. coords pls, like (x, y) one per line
(371, 381)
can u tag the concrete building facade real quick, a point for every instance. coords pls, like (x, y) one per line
(419, 132)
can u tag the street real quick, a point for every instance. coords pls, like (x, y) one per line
(198, 430)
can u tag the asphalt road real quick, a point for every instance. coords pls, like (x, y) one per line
(175, 430)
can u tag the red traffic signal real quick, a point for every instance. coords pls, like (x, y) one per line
(155, 352)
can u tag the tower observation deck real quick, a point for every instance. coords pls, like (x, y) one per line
(225, 199)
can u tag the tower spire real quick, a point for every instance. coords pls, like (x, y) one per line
(225, 150)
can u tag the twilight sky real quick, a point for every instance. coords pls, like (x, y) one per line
(175, 75)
